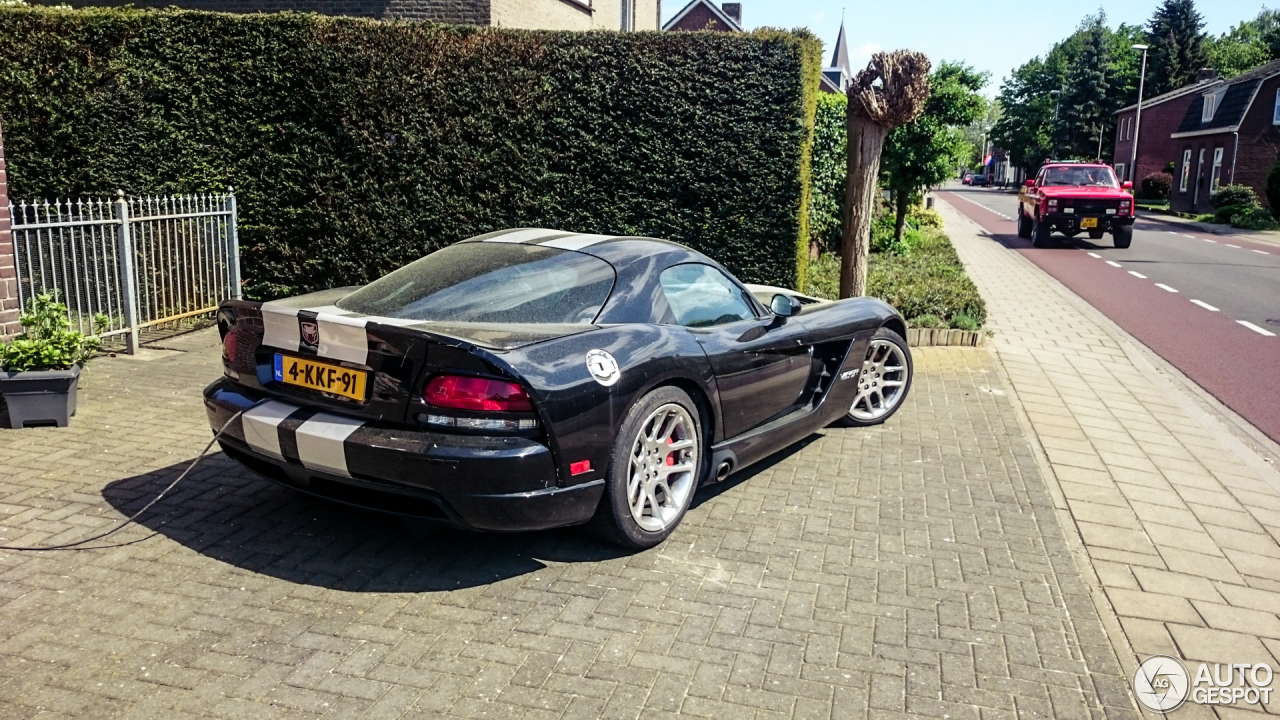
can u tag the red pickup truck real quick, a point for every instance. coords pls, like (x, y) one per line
(1072, 198)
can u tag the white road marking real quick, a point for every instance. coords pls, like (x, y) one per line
(1193, 237)
(1262, 252)
(1233, 246)
(1205, 305)
(1162, 286)
(1112, 263)
(1256, 329)
(1095, 255)
(1215, 242)
(1137, 275)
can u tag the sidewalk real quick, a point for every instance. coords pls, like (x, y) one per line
(1176, 519)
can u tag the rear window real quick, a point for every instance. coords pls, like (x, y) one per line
(491, 283)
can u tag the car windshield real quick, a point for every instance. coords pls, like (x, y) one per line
(1081, 177)
(491, 283)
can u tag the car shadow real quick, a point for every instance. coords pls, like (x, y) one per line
(228, 513)
(710, 492)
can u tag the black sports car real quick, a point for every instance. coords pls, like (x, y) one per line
(532, 378)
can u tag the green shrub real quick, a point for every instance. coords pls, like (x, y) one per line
(48, 343)
(1254, 219)
(1223, 215)
(1233, 196)
(922, 217)
(355, 146)
(1207, 218)
(926, 322)
(826, 203)
(964, 321)
(928, 281)
(1156, 186)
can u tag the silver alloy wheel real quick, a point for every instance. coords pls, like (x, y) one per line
(664, 462)
(882, 381)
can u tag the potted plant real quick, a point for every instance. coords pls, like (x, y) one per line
(39, 369)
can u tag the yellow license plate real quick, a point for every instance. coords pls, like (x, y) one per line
(1088, 222)
(321, 376)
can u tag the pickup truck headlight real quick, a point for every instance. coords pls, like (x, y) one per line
(1124, 207)
(1053, 204)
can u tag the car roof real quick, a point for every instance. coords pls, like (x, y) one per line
(621, 251)
(637, 261)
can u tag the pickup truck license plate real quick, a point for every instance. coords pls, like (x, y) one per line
(324, 377)
(1088, 222)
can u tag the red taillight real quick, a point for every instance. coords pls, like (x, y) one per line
(229, 346)
(472, 393)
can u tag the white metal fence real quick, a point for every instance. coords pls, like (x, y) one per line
(140, 261)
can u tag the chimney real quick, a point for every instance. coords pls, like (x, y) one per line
(1206, 74)
(734, 11)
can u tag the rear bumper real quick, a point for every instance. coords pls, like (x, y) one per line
(473, 482)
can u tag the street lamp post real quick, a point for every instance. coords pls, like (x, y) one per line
(1053, 132)
(1137, 121)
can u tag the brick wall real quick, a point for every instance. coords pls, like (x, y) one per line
(1156, 148)
(1259, 142)
(700, 18)
(8, 272)
(469, 12)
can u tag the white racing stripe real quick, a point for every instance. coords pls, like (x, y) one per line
(343, 338)
(261, 427)
(330, 310)
(321, 442)
(575, 242)
(280, 326)
(522, 236)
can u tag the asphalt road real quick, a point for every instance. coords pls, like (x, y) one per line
(1208, 304)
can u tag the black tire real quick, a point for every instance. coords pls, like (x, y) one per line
(1095, 234)
(1122, 236)
(614, 520)
(1039, 233)
(1024, 224)
(884, 341)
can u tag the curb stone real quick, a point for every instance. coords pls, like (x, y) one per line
(935, 337)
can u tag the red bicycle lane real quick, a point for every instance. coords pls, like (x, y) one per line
(1239, 367)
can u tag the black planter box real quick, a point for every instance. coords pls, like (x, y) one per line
(40, 397)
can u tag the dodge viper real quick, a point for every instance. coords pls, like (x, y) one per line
(529, 378)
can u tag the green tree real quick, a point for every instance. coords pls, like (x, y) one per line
(926, 151)
(1245, 46)
(1087, 98)
(1178, 47)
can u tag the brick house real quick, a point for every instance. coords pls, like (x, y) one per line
(705, 15)
(1161, 116)
(1229, 134)
(527, 14)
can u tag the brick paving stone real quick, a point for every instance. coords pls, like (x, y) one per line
(913, 569)
(1175, 516)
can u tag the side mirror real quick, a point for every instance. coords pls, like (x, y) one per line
(1030, 182)
(784, 306)
(1126, 185)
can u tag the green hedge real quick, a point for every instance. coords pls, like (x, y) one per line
(355, 145)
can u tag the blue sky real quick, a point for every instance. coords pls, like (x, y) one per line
(994, 36)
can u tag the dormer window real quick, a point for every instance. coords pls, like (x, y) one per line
(1211, 102)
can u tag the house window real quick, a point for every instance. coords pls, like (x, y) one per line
(1186, 171)
(1120, 171)
(1275, 114)
(1217, 170)
(628, 15)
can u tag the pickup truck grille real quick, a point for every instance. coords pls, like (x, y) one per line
(1092, 207)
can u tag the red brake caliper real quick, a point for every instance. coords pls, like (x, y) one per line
(671, 457)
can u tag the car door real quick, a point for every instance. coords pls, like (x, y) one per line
(761, 364)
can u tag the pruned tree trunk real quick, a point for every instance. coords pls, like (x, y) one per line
(891, 90)
(866, 140)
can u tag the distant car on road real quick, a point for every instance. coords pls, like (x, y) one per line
(980, 180)
(1072, 198)
(968, 179)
